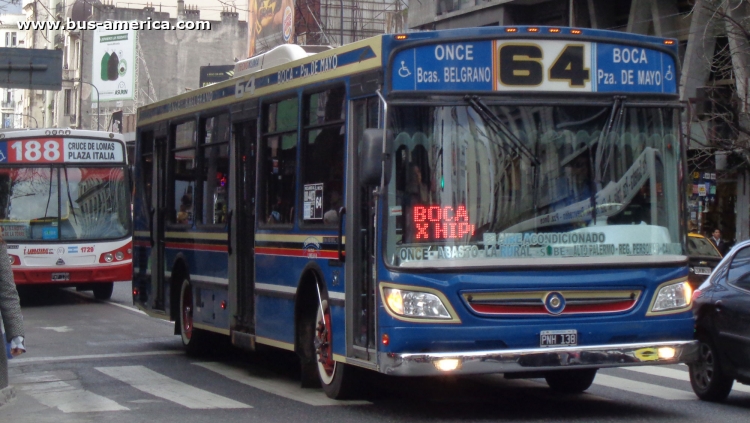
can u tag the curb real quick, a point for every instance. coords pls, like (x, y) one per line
(7, 395)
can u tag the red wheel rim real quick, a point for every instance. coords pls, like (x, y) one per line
(187, 313)
(325, 348)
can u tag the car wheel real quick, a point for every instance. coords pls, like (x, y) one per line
(570, 381)
(707, 377)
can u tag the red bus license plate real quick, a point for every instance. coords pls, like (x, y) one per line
(558, 338)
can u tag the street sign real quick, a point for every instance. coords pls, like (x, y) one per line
(31, 68)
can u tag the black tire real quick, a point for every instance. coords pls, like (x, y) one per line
(707, 376)
(103, 291)
(194, 340)
(570, 381)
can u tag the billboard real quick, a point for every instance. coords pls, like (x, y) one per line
(213, 74)
(113, 63)
(270, 23)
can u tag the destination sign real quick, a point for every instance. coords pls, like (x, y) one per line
(534, 65)
(60, 150)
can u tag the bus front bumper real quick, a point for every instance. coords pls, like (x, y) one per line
(538, 359)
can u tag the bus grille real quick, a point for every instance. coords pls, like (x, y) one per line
(566, 302)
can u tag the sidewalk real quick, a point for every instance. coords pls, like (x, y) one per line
(7, 395)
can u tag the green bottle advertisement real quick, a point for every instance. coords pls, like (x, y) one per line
(104, 67)
(114, 63)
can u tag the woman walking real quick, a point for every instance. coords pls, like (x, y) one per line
(10, 314)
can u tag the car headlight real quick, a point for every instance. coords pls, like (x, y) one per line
(415, 304)
(673, 296)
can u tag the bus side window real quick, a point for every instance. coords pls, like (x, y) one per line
(323, 157)
(279, 162)
(214, 172)
(184, 172)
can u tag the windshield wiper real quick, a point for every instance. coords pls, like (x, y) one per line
(494, 122)
(49, 195)
(70, 200)
(595, 166)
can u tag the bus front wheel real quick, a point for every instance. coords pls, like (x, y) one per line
(570, 381)
(337, 379)
(192, 339)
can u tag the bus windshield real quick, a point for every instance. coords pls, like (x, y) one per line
(65, 203)
(481, 183)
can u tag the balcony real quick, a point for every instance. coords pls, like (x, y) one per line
(8, 104)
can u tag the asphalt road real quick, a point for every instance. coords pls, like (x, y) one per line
(92, 361)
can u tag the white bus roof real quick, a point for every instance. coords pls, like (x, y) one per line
(58, 132)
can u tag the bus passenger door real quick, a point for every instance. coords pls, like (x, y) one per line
(158, 215)
(360, 239)
(243, 205)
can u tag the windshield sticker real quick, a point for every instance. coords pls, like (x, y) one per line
(313, 202)
(395, 211)
(49, 232)
(14, 231)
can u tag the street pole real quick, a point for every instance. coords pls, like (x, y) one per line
(98, 104)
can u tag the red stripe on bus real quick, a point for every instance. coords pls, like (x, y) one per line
(196, 247)
(293, 252)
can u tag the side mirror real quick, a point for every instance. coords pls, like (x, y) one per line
(370, 169)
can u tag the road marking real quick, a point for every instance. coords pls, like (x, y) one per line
(643, 388)
(58, 329)
(161, 386)
(51, 391)
(678, 375)
(18, 361)
(283, 388)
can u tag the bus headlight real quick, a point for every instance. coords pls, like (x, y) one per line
(672, 297)
(108, 257)
(415, 304)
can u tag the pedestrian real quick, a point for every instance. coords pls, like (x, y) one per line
(10, 314)
(718, 242)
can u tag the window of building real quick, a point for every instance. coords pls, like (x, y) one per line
(67, 103)
(214, 174)
(184, 166)
(279, 149)
(10, 39)
(323, 157)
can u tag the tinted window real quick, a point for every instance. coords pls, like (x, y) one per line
(279, 151)
(739, 270)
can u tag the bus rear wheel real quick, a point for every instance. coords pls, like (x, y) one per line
(192, 339)
(337, 379)
(103, 291)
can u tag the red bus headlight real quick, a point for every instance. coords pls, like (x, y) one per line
(120, 254)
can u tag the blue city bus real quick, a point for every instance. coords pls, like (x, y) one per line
(481, 200)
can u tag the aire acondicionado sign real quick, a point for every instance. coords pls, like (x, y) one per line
(60, 150)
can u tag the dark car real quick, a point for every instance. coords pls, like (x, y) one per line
(721, 306)
(703, 257)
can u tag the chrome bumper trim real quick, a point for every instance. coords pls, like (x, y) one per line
(538, 359)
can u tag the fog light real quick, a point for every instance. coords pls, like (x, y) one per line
(666, 353)
(447, 364)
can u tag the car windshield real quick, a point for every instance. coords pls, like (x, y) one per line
(476, 182)
(700, 246)
(67, 203)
